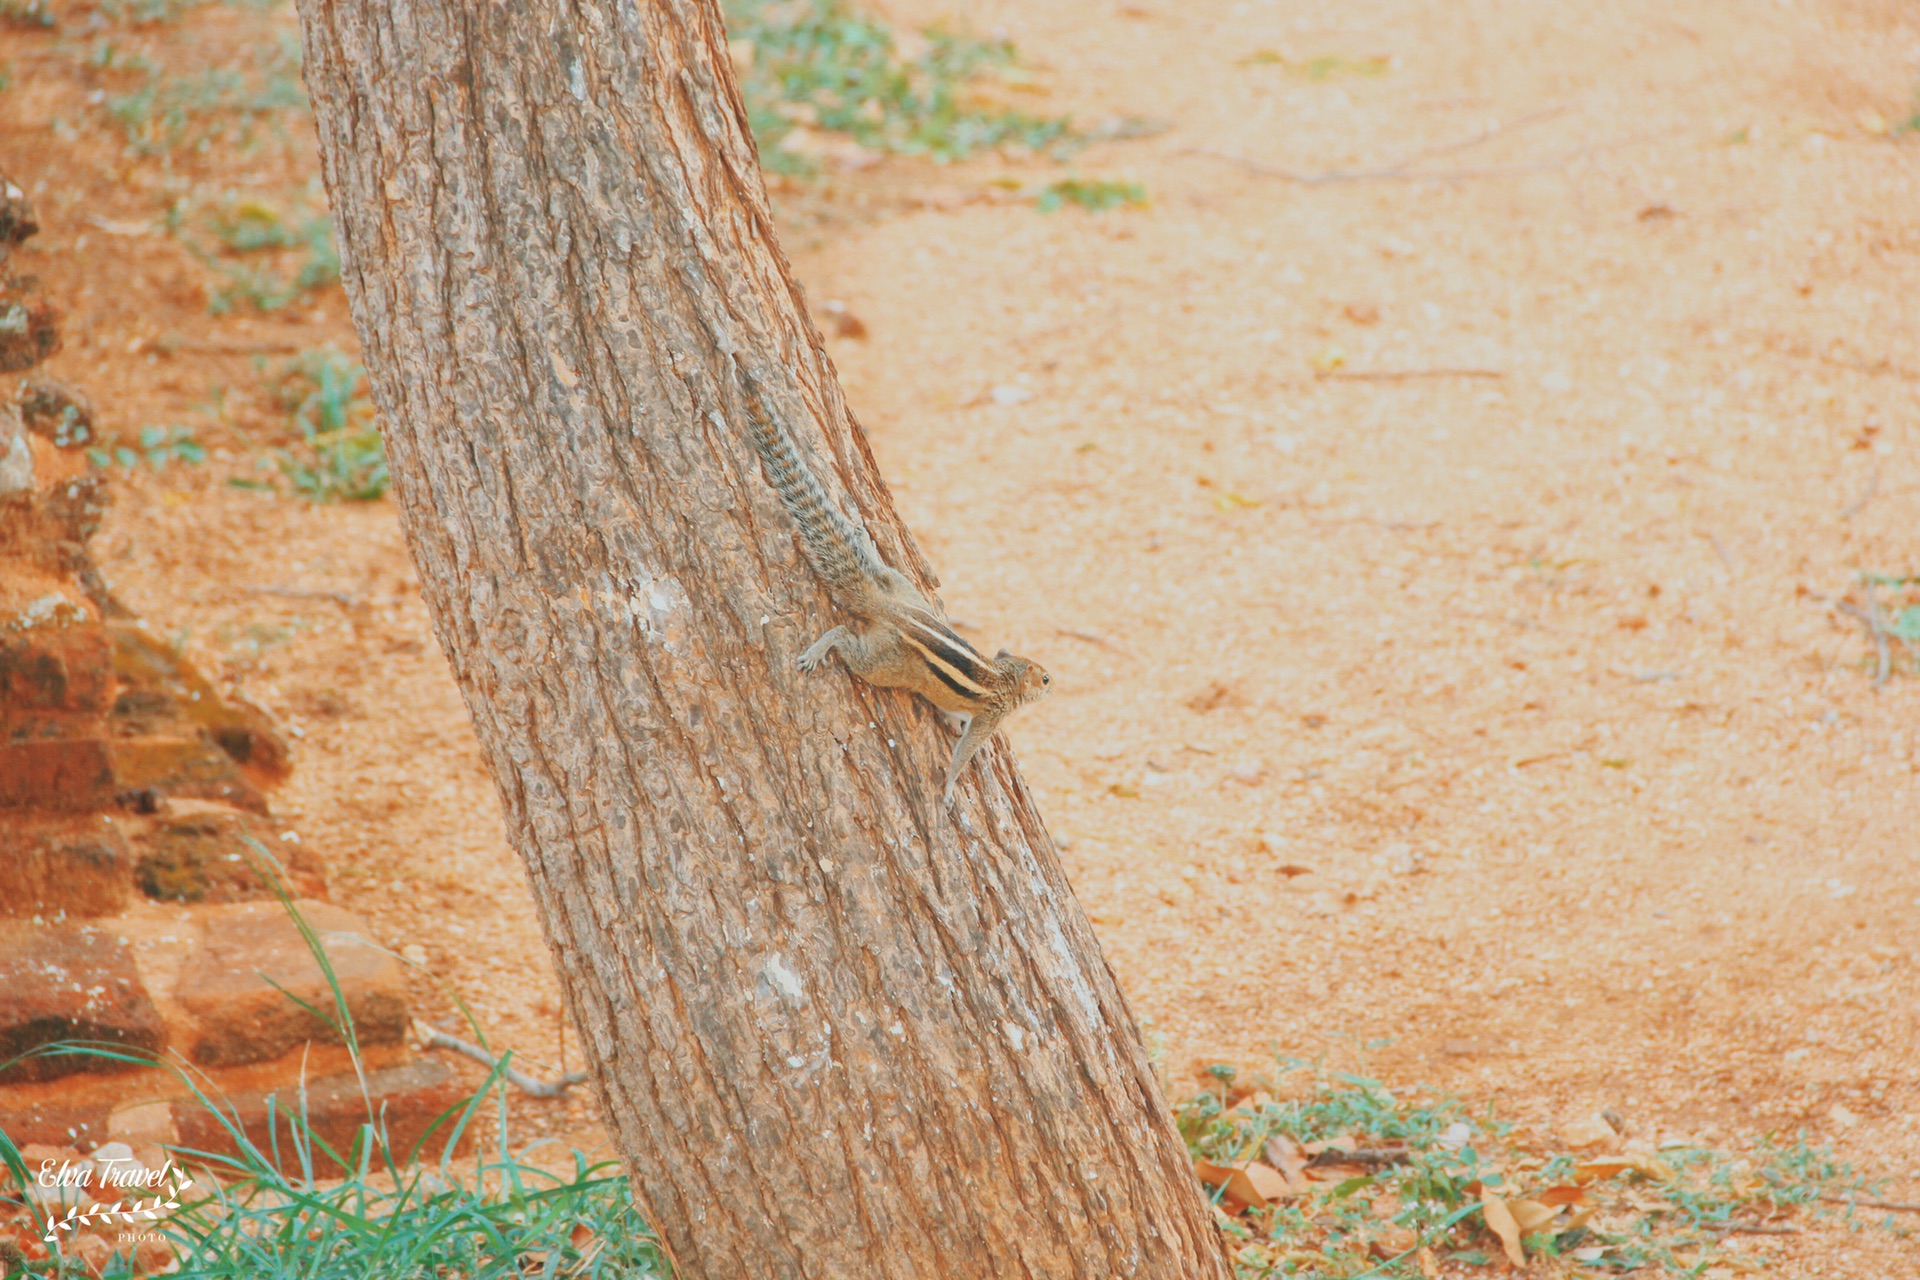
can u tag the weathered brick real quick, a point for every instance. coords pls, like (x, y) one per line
(189, 766)
(70, 982)
(409, 1097)
(242, 1017)
(29, 326)
(80, 1116)
(17, 220)
(55, 656)
(161, 685)
(217, 857)
(57, 412)
(75, 867)
(62, 775)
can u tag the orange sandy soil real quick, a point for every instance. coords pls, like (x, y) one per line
(1531, 673)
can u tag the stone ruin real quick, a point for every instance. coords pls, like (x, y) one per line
(139, 855)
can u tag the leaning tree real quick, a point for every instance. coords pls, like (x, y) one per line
(839, 1029)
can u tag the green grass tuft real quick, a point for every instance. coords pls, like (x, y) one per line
(157, 447)
(1096, 195)
(394, 1216)
(1659, 1213)
(340, 456)
(819, 65)
(26, 13)
(220, 106)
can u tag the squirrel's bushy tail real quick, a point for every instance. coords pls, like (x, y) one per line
(840, 552)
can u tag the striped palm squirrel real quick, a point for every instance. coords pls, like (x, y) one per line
(900, 640)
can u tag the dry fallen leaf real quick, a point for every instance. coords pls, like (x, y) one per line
(1589, 1132)
(1636, 1161)
(1429, 1265)
(1392, 1242)
(1237, 1186)
(1269, 1181)
(1531, 1215)
(1284, 1154)
(1563, 1195)
(1500, 1222)
(1216, 695)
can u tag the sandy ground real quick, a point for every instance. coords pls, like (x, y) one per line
(1489, 731)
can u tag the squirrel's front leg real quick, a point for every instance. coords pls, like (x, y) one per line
(818, 651)
(979, 729)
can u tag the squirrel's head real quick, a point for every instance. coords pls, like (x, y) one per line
(1031, 680)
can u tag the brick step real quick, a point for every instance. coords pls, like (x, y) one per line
(155, 1108)
(219, 985)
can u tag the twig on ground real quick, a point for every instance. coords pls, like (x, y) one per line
(1754, 1229)
(1719, 549)
(1867, 491)
(1397, 168)
(1869, 1202)
(1097, 640)
(1087, 636)
(431, 1037)
(1876, 626)
(1403, 375)
(1486, 135)
(1883, 653)
(1372, 1157)
(1404, 171)
(344, 599)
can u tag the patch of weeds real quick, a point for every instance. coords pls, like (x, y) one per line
(143, 13)
(106, 56)
(217, 106)
(157, 446)
(1364, 1181)
(812, 65)
(340, 456)
(1889, 621)
(26, 13)
(258, 228)
(1096, 195)
(270, 257)
(272, 1209)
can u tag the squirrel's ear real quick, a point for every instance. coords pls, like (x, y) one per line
(1004, 653)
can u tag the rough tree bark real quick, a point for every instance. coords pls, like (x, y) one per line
(838, 1030)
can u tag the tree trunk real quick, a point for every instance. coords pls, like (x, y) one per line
(838, 1029)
